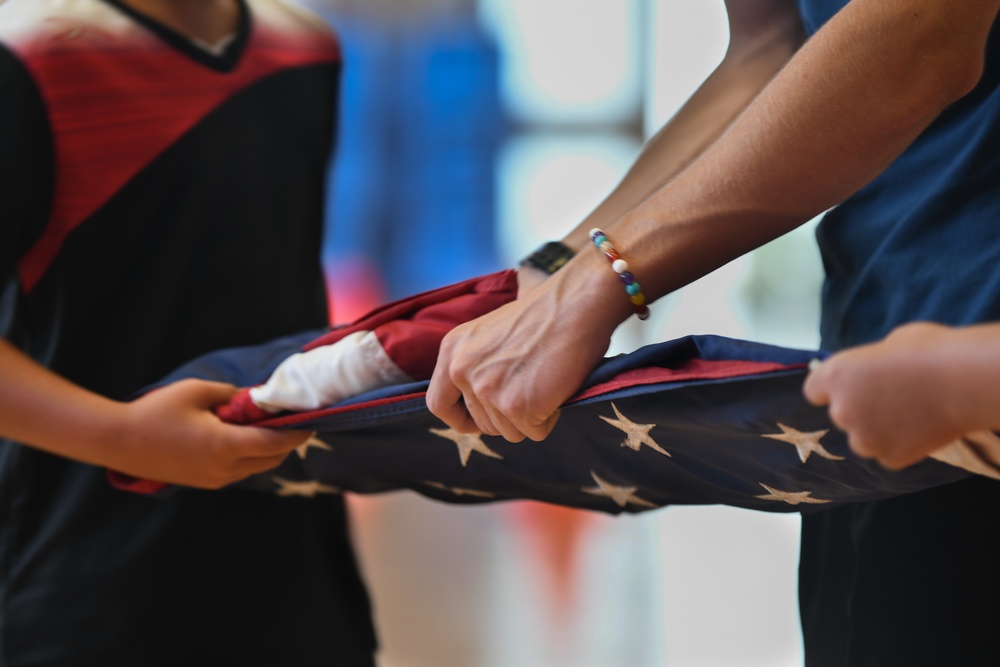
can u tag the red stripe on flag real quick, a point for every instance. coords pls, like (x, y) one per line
(693, 369)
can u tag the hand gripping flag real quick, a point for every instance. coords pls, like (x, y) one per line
(698, 420)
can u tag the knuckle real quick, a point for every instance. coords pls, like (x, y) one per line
(505, 406)
(461, 369)
(511, 404)
(536, 435)
(434, 401)
(542, 428)
(448, 342)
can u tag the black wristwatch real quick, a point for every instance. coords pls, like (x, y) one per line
(550, 257)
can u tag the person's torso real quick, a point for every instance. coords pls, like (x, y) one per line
(918, 242)
(900, 581)
(180, 211)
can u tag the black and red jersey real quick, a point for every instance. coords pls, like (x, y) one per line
(159, 200)
(159, 179)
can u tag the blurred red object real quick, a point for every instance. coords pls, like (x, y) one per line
(354, 286)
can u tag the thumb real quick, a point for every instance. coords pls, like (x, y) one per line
(207, 394)
(270, 442)
(292, 439)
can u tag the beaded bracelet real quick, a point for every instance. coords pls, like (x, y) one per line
(620, 266)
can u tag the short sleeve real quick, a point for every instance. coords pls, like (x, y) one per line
(26, 163)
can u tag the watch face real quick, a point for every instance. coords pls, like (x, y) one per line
(550, 257)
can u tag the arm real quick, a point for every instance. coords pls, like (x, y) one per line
(763, 35)
(850, 101)
(922, 387)
(169, 435)
(846, 105)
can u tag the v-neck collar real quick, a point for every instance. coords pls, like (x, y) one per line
(225, 62)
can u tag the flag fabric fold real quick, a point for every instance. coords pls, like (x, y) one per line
(697, 420)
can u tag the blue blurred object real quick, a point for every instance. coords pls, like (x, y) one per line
(413, 184)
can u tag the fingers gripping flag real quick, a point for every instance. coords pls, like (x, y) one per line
(698, 420)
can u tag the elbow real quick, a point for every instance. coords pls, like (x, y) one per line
(767, 31)
(948, 59)
(932, 80)
(928, 53)
(955, 71)
(964, 74)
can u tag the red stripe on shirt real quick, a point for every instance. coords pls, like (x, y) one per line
(116, 102)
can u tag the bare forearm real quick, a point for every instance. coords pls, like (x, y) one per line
(847, 104)
(763, 37)
(169, 435)
(850, 101)
(47, 411)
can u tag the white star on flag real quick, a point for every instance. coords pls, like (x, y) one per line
(638, 434)
(805, 443)
(303, 449)
(307, 489)
(790, 497)
(622, 495)
(466, 443)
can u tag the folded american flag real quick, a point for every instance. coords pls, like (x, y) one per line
(698, 420)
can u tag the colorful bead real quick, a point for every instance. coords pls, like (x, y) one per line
(621, 267)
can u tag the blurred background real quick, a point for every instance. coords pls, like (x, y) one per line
(471, 131)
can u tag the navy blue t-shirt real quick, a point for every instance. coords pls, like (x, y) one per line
(908, 581)
(917, 243)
